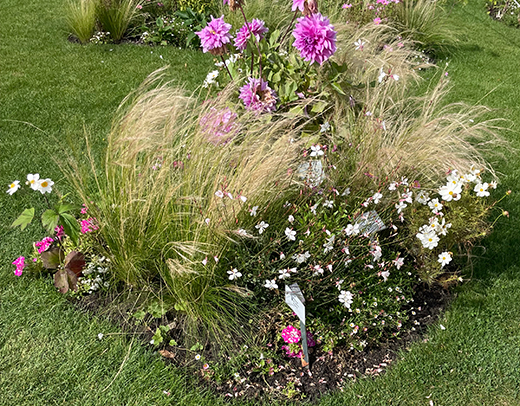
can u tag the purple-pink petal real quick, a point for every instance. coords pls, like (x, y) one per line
(315, 38)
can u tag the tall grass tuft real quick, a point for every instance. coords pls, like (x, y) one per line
(81, 18)
(115, 16)
(156, 197)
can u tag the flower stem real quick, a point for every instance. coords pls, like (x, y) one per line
(288, 29)
(254, 39)
(225, 65)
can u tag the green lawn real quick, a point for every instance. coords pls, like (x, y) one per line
(51, 89)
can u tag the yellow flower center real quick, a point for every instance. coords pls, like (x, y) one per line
(12, 185)
(451, 192)
(32, 181)
(44, 184)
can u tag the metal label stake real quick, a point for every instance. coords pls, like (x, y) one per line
(295, 300)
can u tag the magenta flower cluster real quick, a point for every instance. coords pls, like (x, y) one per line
(315, 38)
(88, 225)
(257, 27)
(258, 96)
(44, 244)
(291, 335)
(20, 265)
(219, 125)
(215, 36)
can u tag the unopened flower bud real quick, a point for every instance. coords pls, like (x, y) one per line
(505, 213)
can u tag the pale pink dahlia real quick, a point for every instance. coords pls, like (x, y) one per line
(258, 96)
(258, 29)
(315, 38)
(215, 36)
(219, 125)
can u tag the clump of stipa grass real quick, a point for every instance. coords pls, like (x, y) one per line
(115, 16)
(81, 18)
(169, 196)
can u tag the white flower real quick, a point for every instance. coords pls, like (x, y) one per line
(395, 77)
(100, 336)
(291, 234)
(435, 205)
(197, 357)
(385, 275)
(407, 196)
(368, 114)
(352, 229)
(359, 45)
(252, 212)
(451, 191)
(429, 239)
(32, 180)
(234, 274)
(212, 75)
(243, 198)
(400, 207)
(329, 204)
(282, 256)
(398, 262)
(215, 258)
(261, 227)
(329, 245)
(381, 75)
(13, 187)
(444, 258)
(393, 186)
(316, 150)
(376, 252)
(284, 274)
(313, 208)
(324, 127)
(346, 192)
(290, 219)
(422, 197)
(219, 193)
(442, 228)
(242, 232)
(377, 197)
(45, 186)
(481, 189)
(271, 284)
(205, 261)
(301, 258)
(345, 297)
(318, 270)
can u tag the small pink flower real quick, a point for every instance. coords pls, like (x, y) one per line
(44, 244)
(139, 6)
(60, 232)
(377, 21)
(20, 265)
(88, 225)
(291, 335)
(84, 209)
(346, 6)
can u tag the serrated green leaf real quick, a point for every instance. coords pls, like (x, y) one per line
(139, 315)
(50, 220)
(173, 343)
(71, 226)
(24, 219)
(196, 347)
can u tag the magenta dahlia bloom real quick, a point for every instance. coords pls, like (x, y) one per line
(258, 29)
(258, 96)
(315, 38)
(215, 36)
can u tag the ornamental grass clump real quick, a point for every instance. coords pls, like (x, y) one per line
(81, 18)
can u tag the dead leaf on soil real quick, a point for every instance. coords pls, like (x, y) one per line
(167, 354)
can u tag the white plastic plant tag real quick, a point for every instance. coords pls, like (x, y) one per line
(294, 299)
(370, 223)
(312, 172)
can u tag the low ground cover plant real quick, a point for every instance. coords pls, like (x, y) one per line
(506, 11)
(308, 157)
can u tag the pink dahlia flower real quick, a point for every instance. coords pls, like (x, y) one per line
(215, 36)
(219, 125)
(258, 29)
(258, 96)
(315, 38)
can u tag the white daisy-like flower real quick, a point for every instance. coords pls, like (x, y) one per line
(316, 151)
(13, 187)
(444, 258)
(435, 205)
(45, 186)
(429, 239)
(291, 234)
(451, 191)
(271, 284)
(234, 274)
(197, 357)
(422, 197)
(346, 298)
(359, 45)
(261, 227)
(32, 180)
(481, 189)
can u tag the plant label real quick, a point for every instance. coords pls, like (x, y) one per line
(370, 223)
(312, 172)
(295, 300)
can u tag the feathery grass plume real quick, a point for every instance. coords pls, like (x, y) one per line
(157, 202)
(424, 22)
(81, 18)
(115, 16)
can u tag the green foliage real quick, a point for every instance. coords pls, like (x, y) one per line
(24, 219)
(505, 11)
(201, 6)
(81, 18)
(115, 16)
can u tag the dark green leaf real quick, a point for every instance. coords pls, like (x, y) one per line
(24, 219)
(338, 88)
(71, 226)
(65, 207)
(50, 220)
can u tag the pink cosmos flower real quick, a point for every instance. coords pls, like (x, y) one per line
(20, 265)
(377, 21)
(215, 36)
(258, 29)
(44, 244)
(315, 38)
(258, 96)
(219, 125)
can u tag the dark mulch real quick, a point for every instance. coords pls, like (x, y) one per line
(326, 373)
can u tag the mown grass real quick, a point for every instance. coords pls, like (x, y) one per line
(50, 353)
